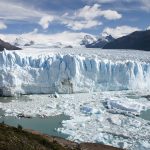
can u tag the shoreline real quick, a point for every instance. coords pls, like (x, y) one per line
(60, 142)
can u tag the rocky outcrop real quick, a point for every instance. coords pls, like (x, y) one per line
(6, 45)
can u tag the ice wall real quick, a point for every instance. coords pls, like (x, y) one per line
(24, 74)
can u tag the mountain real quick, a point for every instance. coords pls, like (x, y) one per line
(139, 40)
(6, 45)
(100, 42)
(23, 42)
(87, 39)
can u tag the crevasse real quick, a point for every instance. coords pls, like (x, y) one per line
(23, 74)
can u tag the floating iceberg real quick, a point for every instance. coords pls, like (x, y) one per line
(125, 106)
(50, 72)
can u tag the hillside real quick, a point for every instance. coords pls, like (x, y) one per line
(139, 40)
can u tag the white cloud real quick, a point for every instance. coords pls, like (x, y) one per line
(119, 31)
(84, 18)
(82, 24)
(101, 1)
(15, 11)
(88, 17)
(111, 15)
(89, 12)
(44, 22)
(145, 5)
(105, 1)
(92, 12)
(2, 26)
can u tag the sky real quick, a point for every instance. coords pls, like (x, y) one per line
(53, 17)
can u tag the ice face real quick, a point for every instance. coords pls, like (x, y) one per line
(23, 73)
(108, 115)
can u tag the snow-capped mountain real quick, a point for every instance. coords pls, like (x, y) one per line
(35, 43)
(100, 42)
(88, 39)
(47, 41)
(20, 41)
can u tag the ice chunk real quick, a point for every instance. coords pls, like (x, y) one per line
(126, 107)
(56, 95)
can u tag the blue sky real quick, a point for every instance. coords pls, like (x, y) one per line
(115, 17)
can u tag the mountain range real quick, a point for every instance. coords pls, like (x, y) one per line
(139, 40)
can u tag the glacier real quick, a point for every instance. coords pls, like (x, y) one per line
(72, 71)
(103, 91)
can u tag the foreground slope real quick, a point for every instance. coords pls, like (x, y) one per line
(139, 40)
(16, 139)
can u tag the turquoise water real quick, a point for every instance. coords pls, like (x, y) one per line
(46, 125)
(43, 125)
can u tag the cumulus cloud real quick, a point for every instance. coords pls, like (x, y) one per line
(88, 17)
(2, 26)
(82, 24)
(84, 18)
(119, 31)
(111, 15)
(44, 22)
(91, 12)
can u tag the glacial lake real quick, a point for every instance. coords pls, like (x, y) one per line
(47, 125)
